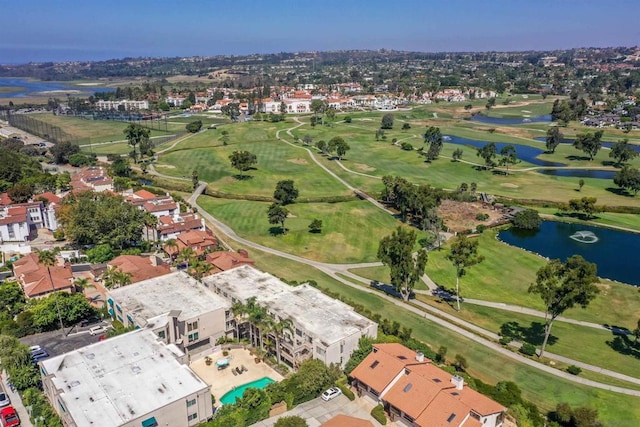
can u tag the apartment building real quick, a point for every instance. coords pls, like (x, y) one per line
(317, 326)
(129, 380)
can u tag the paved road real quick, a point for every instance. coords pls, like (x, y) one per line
(466, 329)
(16, 402)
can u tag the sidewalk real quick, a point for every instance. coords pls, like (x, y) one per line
(16, 402)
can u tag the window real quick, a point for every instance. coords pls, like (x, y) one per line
(320, 351)
(192, 417)
(161, 334)
(191, 402)
(193, 337)
(192, 326)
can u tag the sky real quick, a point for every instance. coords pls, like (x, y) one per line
(67, 30)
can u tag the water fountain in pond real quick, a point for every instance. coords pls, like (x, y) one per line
(584, 237)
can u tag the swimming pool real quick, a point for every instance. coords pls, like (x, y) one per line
(231, 396)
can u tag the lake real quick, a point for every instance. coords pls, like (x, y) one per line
(21, 88)
(614, 252)
(579, 173)
(510, 120)
(525, 153)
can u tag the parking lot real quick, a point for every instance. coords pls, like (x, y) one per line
(57, 343)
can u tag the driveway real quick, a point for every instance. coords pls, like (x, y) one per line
(55, 343)
(317, 411)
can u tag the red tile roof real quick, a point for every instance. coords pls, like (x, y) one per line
(144, 194)
(13, 215)
(225, 260)
(140, 267)
(5, 199)
(169, 225)
(35, 279)
(49, 197)
(342, 420)
(197, 240)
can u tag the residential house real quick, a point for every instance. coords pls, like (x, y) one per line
(314, 325)
(92, 178)
(226, 260)
(157, 205)
(129, 380)
(171, 226)
(175, 100)
(176, 307)
(14, 224)
(199, 241)
(416, 393)
(37, 281)
(140, 267)
(342, 420)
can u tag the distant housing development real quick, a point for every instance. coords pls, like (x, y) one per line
(129, 380)
(319, 327)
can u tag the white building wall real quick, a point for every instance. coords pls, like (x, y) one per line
(177, 413)
(20, 232)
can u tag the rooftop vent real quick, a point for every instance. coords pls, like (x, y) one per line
(458, 381)
(436, 380)
(420, 356)
(451, 417)
(407, 387)
(374, 364)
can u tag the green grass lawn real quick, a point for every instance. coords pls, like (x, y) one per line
(543, 389)
(565, 337)
(351, 231)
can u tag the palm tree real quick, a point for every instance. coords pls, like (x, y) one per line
(114, 278)
(200, 268)
(150, 222)
(171, 243)
(239, 311)
(83, 283)
(48, 259)
(186, 255)
(278, 330)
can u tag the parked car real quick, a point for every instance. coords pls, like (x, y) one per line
(39, 355)
(9, 417)
(4, 399)
(97, 330)
(34, 348)
(331, 393)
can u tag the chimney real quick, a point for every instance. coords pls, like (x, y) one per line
(244, 253)
(457, 381)
(155, 260)
(420, 356)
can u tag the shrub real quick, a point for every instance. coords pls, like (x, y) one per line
(291, 421)
(347, 119)
(406, 146)
(574, 370)
(480, 228)
(346, 391)
(528, 349)
(482, 216)
(378, 414)
(505, 340)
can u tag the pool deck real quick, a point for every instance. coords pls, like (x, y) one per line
(222, 381)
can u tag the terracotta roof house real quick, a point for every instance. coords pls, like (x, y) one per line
(14, 224)
(170, 226)
(140, 267)
(416, 393)
(225, 260)
(34, 278)
(158, 205)
(92, 178)
(199, 241)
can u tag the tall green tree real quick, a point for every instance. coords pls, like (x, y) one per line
(285, 192)
(396, 252)
(554, 138)
(628, 178)
(137, 136)
(562, 286)
(195, 179)
(488, 154)
(194, 127)
(243, 161)
(277, 215)
(339, 145)
(433, 137)
(508, 156)
(463, 254)
(622, 152)
(387, 121)
(589, 143)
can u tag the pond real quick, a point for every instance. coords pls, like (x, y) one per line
(11, 87)
(579, 173)
(510, 120)
(605, 144)
(613, 251)
(525, 153)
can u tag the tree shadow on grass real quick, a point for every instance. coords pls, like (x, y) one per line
(619, 192)
(533, 334)
(277, 231)
(574, 157)
(241, 177)
(624, 345)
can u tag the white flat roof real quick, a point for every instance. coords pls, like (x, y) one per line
(172, 292)
(327, 319)
(120, 379)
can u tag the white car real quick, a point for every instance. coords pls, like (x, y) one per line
(96, 330)
(331, 393)
(4, 399)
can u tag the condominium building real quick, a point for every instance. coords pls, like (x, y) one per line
(129, 380)
(314, 325)
(179, 309)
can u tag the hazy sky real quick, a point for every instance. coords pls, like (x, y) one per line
(42, 30)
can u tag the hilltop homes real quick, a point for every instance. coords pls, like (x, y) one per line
(415, 393)
(133, 379)
(315, 325)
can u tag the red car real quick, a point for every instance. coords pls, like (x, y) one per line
(9, 417)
